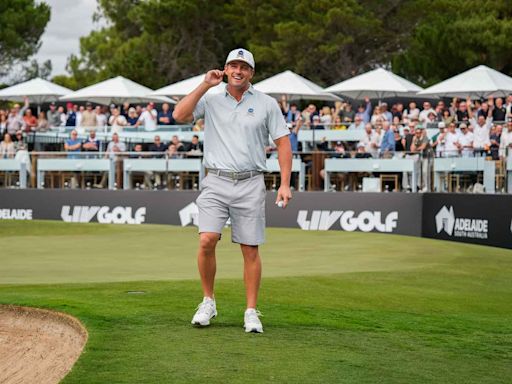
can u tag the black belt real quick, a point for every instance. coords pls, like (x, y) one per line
(234, 175)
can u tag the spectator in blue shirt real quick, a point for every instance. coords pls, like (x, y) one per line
(365, 111)
(165, 115)
(73, 145)
(387, 147)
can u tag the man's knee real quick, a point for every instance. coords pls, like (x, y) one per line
(250, 252)
(208, 241)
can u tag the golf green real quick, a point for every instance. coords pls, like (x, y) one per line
(339, 307)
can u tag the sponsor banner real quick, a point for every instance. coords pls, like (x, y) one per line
(480, 219)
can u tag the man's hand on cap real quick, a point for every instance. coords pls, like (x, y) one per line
(214, 77)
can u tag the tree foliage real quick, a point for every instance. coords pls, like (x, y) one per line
(22, 22)
(156, 42)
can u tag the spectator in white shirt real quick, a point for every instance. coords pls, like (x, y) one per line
(101, 117)
(451, 142)
(424, 115)
(465, 142)
(148, 118)
(117, 121)
(367, 138)
(506, 140)
(481, 129)
(412, 113)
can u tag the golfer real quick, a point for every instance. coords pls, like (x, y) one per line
(238, 123)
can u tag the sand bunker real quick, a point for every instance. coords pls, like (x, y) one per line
(38, 346)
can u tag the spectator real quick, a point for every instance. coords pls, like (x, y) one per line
(70, 115)
(172, 152)
(338, 125)
(293, 122)
(387, 146)
(148, 118)
(73, 145)
(178, 144)
(377, 115)
(451, 145)
(365, 111)
(91, 144)
(117, 121)
(195, 148)
(438, 140)
(101, 116)
(499, 113)
(317, 124)
(114, 149)
(165, 115)
(508, 107)
(198, 126)
(494, 138)
(89, 117)
(326, 117)
(358, 123)
(465, 142)
(412, 113)
(347, 114)
(157, 146)
(386, 114)
(427, 110)
(506, 140)
(367, 138)
(53, 116)
(30, 121)
(421, 145)
(284, 105)
(361, 152)
(462, 111)
(125, 110)
(15, 120)
(3, 123)
(447, 117)
(397, 111)
(431, 120)
(132, 117)
(42, 123)
(7, 149)
(481, 130)
(62, 115)
(81, 110)
(482, 111)
(399, 145)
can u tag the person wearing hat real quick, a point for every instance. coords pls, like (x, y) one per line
(438, 140)
(70, 115)
(148, 118)
(421, 145)
(238, 123)
(466, 141)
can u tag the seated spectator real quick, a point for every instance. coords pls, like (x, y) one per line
(172, 152)
(316, 124)
(117, 121)
(157, 146)
(91, 144)
(361, 152)
(89, 117)
(165, 115)
(357, 124)
(42, 123)
(7, 150)
(340, 151)
(73, 145)
(180, 147)
(30, 121)
(195, 148)
(132, 117)
(148, 118)
(53, 116)
(397, 111)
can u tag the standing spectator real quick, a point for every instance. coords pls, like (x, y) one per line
(387, 114)
(3, 123)
(462, 111)
(412, 113)
(125, 110)
(326, 117)
(506, 139)
(148, 118)
(308, 113)
(365, 111)
(89, 118)
(30, 121)
(42, 123)
(387, 146)
(62, 115)
(397, 111)
(317, 124)
(357, 124)
(101, 116)
(451, 144)
(377, 115)
(508, 107)
(481, 130)
(499, 113)
(132, 117)
(347, 114)
(465, 142)
(447, 117)
(7, 149)
(117, 121)
(114, 149)
(165, 115)
(79, 112)
(431, 120)
(438, 140)
(421, 145)
(494, 138)
(399, 143)
(339, 126)
(367, 138)
(70, 115)
(293, 122)
(15, 119)
(424, 115)
(482, 111)
(53, 116)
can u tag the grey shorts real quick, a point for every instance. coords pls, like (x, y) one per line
(242, 201)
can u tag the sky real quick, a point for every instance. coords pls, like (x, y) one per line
(69, 20)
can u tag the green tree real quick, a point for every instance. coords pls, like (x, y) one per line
(457, 35)
(22, 22)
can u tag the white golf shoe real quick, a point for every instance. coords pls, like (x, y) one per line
(205, 312)
(252, 322)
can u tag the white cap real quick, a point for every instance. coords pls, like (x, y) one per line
(241, 54)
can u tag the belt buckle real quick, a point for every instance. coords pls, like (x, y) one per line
(233, 176)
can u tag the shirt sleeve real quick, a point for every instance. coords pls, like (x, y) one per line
(199, 109)
(275, 122)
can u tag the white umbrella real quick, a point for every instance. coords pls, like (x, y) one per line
(184, 87)
(479, 82)
(117, 90)
(294, 86)
(37, 90)
(376, 84)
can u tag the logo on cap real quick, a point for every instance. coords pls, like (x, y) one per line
(240, 53)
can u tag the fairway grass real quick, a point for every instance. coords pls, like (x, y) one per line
(339, 307)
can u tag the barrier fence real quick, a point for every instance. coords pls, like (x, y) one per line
(481, 219)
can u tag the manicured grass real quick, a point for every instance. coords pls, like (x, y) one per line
(355, 308)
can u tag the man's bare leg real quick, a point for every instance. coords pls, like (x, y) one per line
(206, 261)
(252, 273)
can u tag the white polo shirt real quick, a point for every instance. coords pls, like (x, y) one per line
(236, 132)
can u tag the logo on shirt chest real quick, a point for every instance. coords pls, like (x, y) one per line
(250, 112)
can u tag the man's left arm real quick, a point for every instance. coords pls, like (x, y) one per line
(284, 153)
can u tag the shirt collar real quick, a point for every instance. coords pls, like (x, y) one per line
(249, 90)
